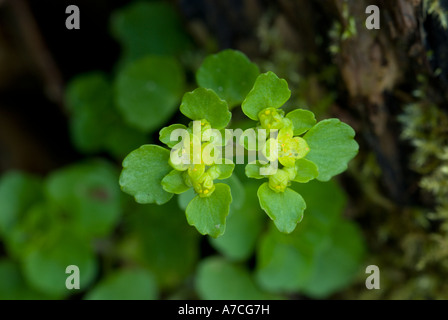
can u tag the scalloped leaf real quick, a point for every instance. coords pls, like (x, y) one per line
(143, 171)
(284, 208)
(230, 74)
(268, 92)
(148, 91)
(208, 214)
(302, 120)
(205, 104)
(174, 182)
(306, 171)
(165, 134)
(332, 146)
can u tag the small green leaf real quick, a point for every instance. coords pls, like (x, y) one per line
(218, 279)
(306, 171)
(243, 227)
(127, 284)
(174, 182)
(268, 92)
(225, 170)
(302, 120)
(165, 134)
(253, 170)
(148, 91)
(205, 104)
(144, 28)
(230, 74)
(208, 214)
(44, 266)
(332, 146)
(284, 208)
(143, 171)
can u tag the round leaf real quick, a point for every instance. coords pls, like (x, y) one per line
(230, 74)
(165, 134)
(332, 146)
(143, 171)
(135, 284)
(148, 91)
(205, 104)
(268, 92)
(302, 120)
(284, 208)
(208, 214)
(306, 171)
(174, 182)
(88, 194)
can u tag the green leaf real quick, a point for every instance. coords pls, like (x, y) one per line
(143, 171)
(268, 92)
(174, 182)
(321, 256)
(148, 91)
(205, 104)
(208, 214)
(306, 171)
(338, 263)
(302, 120)
(88, 194)
(332, 146)
(230, 74)
(243, 226)
(160, 240)
(218, 279)
(165, 134)
(44, 266)
(144, 28)
(284, 208)
(252, 170)
(284, 262)
(225, 170)
(126, 284)
(18, 192)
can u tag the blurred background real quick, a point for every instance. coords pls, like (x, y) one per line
(64, 131)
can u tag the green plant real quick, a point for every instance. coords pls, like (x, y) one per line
(305, 149)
